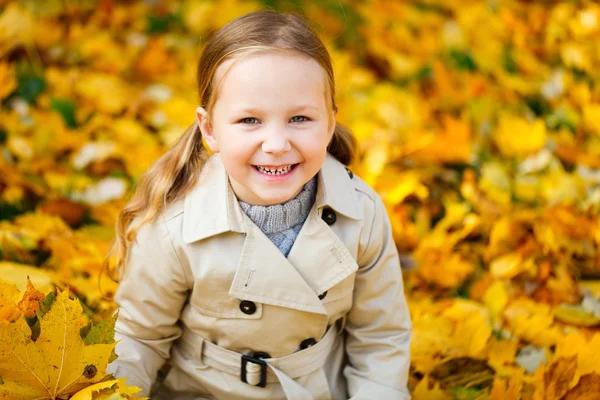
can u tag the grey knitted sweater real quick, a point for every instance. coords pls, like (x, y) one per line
(282, 222)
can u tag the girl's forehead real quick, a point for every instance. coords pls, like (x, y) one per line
(268, 59)
(257, 77)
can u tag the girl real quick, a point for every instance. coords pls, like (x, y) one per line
(267, 270)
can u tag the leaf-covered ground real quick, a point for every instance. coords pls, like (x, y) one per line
(478, 123)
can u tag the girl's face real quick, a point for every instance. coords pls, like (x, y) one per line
(270, 123)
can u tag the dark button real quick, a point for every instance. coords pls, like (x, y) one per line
(306, 343)
(322, 295)
(247, 307)
(260, 354)
(328, 216)
(350, 174)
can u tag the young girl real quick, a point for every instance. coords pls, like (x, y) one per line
(266, 270)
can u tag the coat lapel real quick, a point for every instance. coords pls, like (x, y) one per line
(319, 256)
(266, 276)
(318, 259)
(211, 207)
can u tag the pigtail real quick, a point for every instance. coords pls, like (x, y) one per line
(343, 144)
(169, 178)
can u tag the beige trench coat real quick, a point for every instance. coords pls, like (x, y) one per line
(204, 284)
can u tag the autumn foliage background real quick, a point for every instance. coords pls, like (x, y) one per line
(478, 123)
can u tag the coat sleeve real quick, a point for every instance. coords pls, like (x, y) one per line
(150, 296)
(378, 326)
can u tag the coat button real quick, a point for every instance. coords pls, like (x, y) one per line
(248, 307)
(350, 174)
(306, 343)
(322, 295)
(328, 216)
(260, 354)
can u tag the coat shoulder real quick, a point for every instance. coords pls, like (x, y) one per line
(174, 209)
(364, 189)
(367, 196)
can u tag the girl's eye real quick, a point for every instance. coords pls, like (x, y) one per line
(249, 120)
(297, 118)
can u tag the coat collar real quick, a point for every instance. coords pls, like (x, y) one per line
(212, 208)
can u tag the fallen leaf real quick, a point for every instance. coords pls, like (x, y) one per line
(30, 302)
(576, 315)
(58, 363)
(506, 389)
(588, 388)
(423, 392)
(102, 390)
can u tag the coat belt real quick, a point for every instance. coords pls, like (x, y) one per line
(283, 369)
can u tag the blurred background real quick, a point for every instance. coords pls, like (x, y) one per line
(478, 122)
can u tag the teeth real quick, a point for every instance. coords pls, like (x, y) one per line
(278, 171)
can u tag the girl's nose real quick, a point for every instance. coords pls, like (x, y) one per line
(276, 142)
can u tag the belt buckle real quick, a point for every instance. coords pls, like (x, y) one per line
(263, 369)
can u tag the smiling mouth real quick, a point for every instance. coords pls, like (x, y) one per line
(282, 170)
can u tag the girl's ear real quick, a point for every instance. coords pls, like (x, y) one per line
(206, 129)
(333, 124)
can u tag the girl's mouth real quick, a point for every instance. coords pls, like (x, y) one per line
(275, 171)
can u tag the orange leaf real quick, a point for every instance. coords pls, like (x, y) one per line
(554, 382)
(588, 388)
(423, 392)
(30, 302)
(506, 389)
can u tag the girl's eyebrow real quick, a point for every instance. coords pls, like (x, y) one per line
(252, 110)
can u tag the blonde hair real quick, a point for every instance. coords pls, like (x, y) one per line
(176, 172)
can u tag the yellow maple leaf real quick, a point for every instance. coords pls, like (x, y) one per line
(16, 28)
(532, 321)
(495, 183)
(112, 386)
(17, 274)
(500, 352)
(58, 363)
(510, 265)
(431, 338)
(576, 315)
(591, 112)
(105, 92)
(9, 295)
(506, 390)
(587, 388)
(516, 137)
(496, 297)
(554, 381)
(472, 329)
(451, 144)
(8, 82)
(586, 350)
(423, 392)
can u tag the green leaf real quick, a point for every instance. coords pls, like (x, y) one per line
(104, 332)
(162, 23)
(463, 393)
(283, 6)
(35, 330)
(66, 109)
(510, 64)
(46, 304)
(29, 85)
(538, 104)
(462, 60)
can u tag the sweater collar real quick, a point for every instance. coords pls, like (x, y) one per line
(211, 207)
(281, 217)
